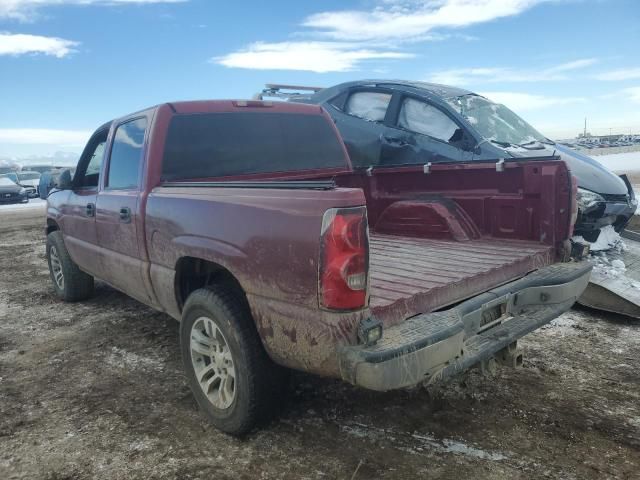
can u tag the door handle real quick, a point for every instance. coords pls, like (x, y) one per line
(90, 210)
(125, 215)
(400, 141)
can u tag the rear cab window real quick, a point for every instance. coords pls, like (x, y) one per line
(210, 145)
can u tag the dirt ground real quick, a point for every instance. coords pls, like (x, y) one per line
(96, 390)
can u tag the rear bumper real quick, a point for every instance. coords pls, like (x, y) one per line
(433, 346)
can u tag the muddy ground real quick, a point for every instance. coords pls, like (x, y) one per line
(96, 390)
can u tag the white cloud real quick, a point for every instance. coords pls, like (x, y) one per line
(618, 75)
(573, 65)
(466, 76)
(21, 44)
(320, 57)
(25, 10)
(632, 93)
(524, 101)
(43, 136)
(394, 19)
(359, 35)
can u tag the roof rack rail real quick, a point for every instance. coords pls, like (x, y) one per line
(275, 90)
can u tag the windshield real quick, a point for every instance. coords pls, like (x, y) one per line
(29, 176)
(495, 121)
(5, 182)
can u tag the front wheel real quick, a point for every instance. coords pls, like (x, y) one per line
(69, 282)
(231, 377)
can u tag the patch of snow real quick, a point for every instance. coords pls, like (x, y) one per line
(120, 358)
(33, 203)
(618, 264)
(140, 445)
(514, 148)
(603, 267)
(607, 240)
(564, 325)
(628, 161)
(416, 443)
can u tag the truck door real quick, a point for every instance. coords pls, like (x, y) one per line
(78, 214)
(117, 211)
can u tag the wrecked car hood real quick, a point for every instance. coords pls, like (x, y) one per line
(591, 174)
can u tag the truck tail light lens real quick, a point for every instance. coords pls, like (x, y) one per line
(344, 259)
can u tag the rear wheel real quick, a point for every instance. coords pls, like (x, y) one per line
(69, 282)
(231, 377)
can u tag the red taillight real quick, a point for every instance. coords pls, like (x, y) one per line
(344, 259)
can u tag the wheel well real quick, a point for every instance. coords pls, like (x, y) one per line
(194, 273)
(52, 226)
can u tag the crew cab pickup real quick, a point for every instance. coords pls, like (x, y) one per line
(245, 221)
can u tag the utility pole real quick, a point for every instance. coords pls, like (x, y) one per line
(585, 127)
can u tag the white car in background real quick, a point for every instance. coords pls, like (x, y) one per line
(29, 180)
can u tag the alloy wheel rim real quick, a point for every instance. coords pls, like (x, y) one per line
(56, 267)
(213, 363)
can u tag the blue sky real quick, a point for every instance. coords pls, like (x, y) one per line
(66, 66)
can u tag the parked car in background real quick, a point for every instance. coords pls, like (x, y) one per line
(41, 168)
(12, 175)
(245, 221)
(30, 180)
(389, 123)
(10, 192)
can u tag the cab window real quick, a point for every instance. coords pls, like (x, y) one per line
(420, 117)
(126, 155)
(371, 106)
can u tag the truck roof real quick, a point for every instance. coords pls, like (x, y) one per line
(226, 106)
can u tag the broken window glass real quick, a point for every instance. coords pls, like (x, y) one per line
(371, 106)
(495, 121)
(420, 117)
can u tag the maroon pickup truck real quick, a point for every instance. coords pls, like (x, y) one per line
(245, 221)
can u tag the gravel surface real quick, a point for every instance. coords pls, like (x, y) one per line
(96, 390)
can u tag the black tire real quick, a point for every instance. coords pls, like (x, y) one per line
(76, 285)
(257, 380)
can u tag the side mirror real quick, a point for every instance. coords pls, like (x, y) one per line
(463, 140)
(45, 185)
(65, 182)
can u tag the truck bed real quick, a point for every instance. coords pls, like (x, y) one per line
(413, 275)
